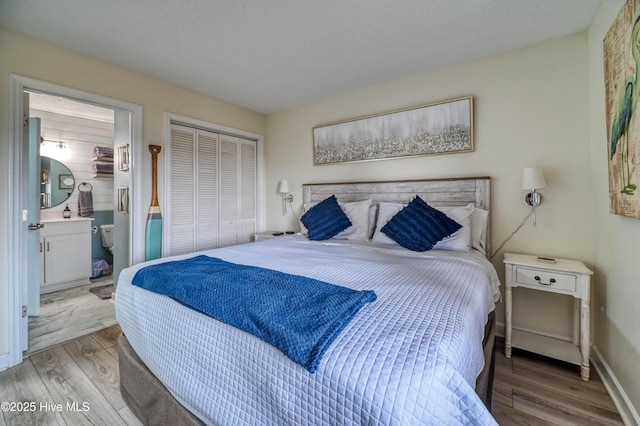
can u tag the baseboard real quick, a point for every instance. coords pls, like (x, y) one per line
(500, 332)
(4, 362)
(623, 404)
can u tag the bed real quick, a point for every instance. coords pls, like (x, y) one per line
(412, 356)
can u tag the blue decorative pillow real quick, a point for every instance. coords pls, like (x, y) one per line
(325, 220)
(419, 226)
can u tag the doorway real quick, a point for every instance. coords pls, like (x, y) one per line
(127, 132)
(76, 192)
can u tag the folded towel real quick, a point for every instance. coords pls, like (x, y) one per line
(85, 203)
(103, 168)
(298, 315)
(102, 151)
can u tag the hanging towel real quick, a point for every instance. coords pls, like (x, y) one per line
(85, 203)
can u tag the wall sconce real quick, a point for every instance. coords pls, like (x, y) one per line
(532, 179)
(287, 197)
(58, 144)
(54, 149)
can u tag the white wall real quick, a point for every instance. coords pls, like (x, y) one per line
(616, 238)
(531, 108)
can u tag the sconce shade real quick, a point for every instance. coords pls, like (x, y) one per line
(283, 187)
(532, 178)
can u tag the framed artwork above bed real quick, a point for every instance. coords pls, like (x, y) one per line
(444, 127)
(621, 48)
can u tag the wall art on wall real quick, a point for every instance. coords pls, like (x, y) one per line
(65, 181)
(440, 128)
(622, 86)
(123, 157)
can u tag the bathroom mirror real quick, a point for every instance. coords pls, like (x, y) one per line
(56, 182)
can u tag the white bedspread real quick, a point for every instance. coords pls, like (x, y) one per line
(410, 357)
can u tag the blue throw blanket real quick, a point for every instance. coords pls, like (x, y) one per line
(298, 315)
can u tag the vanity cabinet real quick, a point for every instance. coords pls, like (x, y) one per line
(65, 254)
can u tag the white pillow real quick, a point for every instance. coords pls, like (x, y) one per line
(358, 213)
(479, 219)
(461, 239)
(303, 229)
(373, 211)
(385, 212)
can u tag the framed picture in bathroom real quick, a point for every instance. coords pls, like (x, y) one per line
(65, 181)
(123, 200)
(123, 157)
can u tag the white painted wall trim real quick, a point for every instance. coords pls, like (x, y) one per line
(14, 223)
(260, 184)
(616, 392)
(17, 85)
(4, 362)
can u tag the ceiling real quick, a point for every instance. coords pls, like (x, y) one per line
(43, 102)
(272, 55)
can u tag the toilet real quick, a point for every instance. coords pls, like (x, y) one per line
(106, 231)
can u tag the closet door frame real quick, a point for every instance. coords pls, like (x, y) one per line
(216, 128)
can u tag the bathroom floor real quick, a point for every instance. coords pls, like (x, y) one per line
(70, 313)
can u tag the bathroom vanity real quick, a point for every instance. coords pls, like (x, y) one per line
(65, 253)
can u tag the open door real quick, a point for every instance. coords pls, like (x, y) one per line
(30, 224)
(34, 245)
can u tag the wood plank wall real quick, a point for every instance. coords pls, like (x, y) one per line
(80, 135)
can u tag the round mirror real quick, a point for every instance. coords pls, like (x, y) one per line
(56, 182)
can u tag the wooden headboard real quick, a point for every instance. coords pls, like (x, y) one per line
(436, 192)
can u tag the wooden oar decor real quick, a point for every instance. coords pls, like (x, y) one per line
(153, 236)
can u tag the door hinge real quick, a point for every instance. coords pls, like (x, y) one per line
(24, 311)
(25, 120)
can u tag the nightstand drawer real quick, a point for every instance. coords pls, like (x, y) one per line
(555, 280)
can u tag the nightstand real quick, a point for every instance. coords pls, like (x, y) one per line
(564, 276)
(259, 236)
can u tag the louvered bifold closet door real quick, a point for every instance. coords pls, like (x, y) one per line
(207, 191)
(248, 190)
(182, 191)
(229, 186)
(212, 190)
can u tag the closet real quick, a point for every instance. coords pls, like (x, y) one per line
(210, 190)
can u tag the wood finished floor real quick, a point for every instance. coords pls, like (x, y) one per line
(533, 390)
(70, 313)
(83, 371)
(527, 390)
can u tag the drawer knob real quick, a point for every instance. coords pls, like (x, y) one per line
(551, 280)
